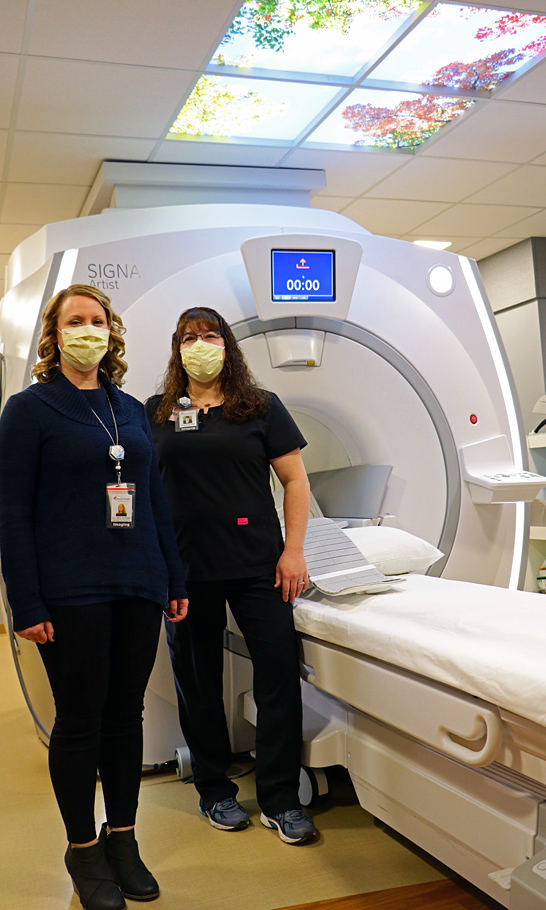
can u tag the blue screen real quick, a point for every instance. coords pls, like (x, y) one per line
(303, 275)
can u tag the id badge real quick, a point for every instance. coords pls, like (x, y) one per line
(187, 419)
(120, 505)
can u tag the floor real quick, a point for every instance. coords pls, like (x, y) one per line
(441, 895)
(197, 866)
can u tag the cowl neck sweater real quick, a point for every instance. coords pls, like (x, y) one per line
(55, 546)
(66, 398)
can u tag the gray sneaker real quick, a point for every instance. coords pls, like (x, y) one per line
(293, 826)
(226, 815)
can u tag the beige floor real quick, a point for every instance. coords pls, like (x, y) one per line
(197, 866)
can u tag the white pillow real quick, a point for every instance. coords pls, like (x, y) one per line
(393, 551)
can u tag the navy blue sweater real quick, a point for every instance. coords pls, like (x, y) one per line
(54, 467)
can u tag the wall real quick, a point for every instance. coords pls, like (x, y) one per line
(515, 281)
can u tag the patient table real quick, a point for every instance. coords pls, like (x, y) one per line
(433, 696)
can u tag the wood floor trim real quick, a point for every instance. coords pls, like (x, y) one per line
(442, 895)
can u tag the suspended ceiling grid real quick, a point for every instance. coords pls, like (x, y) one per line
(83, 82)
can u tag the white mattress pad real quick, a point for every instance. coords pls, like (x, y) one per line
(486, 641)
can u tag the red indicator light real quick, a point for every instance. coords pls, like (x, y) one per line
(473, 418)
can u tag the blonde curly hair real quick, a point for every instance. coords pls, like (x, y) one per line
(48, 349)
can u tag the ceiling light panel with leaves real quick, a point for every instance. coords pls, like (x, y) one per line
(370, 74)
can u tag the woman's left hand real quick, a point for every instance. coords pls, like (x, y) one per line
(177, 609)
(291, 573)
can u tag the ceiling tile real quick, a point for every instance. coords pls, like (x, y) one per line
(487, 247)
(540, 160)
(438, 179)
(33, 203)
(11, 235)
(184, 151)
(13, 16)
(170, 34)
(535, 226)
(389, 216)
(529, 87)
(349, 173)
(537, 6)
(58, 158)
(8, 77)
(495, 132)
(3, 141)
(90, 98)
(525, 186)
(331, 203)
(483, 219)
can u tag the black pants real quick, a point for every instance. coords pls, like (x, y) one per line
(196, 646)
(98, 667)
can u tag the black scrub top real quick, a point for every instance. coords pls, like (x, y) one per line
(218, 485)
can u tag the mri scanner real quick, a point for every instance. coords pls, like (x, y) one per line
(432, 694)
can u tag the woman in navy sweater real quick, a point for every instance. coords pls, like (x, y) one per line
(86, 580)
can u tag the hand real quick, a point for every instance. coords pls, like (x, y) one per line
(177, 609)
(40, 633)
(291, 573)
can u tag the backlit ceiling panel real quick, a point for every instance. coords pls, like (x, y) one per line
(355, 73)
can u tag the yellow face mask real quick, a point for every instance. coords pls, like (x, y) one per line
(203, 361)
(84, 346)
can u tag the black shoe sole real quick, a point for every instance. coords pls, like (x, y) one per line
(138, 897)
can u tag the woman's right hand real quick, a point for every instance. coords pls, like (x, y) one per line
(177, 609)
(40, 633)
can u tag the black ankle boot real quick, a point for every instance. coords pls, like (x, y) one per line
(94, 881)
(121, 850)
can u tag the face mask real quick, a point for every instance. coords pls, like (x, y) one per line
(203, 361)
(84, 346)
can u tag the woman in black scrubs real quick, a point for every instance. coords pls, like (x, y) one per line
(216, 471)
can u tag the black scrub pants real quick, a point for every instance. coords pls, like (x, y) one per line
(196, 647)
(98, 668)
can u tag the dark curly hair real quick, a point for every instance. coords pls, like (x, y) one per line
(243, 398)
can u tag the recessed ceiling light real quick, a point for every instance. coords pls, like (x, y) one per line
(434, 244)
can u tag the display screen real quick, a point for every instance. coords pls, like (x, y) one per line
(303, 275)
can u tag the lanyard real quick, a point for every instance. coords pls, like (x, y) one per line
(115, 451)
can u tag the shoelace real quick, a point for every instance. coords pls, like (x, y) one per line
(293, 815)
(228, 803)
